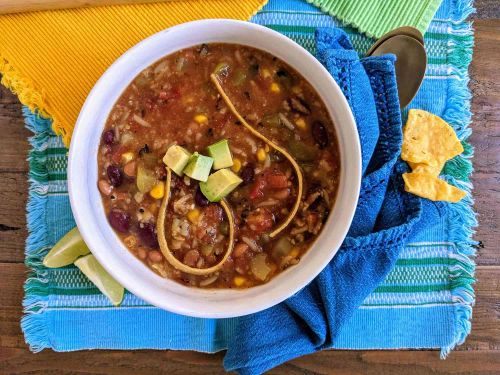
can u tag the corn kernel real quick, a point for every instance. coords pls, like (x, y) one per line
(296, 89)
(275, 88)
(158, 191)
(266, 73)
(266, 147)
(201, 119)
(127, 156)
(294, 253)
(239, 281)
(236, 165)
(261, 154)
(193, 215)
(301, 124)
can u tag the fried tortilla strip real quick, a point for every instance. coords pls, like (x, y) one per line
(290, 158)
(162, 240)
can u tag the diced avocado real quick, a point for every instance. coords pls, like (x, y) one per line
(219, 184)
(221, 154)
(176, 158)
(198, 167)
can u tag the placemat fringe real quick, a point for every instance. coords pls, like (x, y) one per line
(33, 323)
(462, 219)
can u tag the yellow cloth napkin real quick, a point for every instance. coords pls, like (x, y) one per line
(52, 59)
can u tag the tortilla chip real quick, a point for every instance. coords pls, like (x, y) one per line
(426, 185)
(424, 168)
(428, 139)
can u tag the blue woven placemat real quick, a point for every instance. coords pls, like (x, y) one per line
(425, 302)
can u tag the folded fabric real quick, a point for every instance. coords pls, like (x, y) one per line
(377, 17)
(312, 319)
(52, 59)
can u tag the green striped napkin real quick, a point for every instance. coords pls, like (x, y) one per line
(376, 17)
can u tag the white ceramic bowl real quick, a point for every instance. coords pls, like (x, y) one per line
(86, 201)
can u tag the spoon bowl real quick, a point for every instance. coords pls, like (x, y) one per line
(411, 64)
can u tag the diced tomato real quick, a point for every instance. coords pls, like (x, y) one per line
(258, 187)
(260, 220)
(213, 213)
(117, 154)
(173, 93)
(220, 120)
(277, 180)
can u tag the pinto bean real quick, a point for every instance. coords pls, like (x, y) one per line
(155, 256)
(104, 187)
(282, 194)
(142, 253)
(130, 169)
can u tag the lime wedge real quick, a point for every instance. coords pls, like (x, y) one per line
(67, 250)
(101, 278)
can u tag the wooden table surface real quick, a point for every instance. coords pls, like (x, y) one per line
(479, 355)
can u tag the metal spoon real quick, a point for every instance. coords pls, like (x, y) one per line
(404, 30)
(411, 63)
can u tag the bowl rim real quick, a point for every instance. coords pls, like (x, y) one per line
(197, 302)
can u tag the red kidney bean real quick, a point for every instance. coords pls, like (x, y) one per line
(115, 175)
(147, 235)
(119, 220)
(108, 137)
(320, 134)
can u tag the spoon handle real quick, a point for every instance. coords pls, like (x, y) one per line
(20, 6)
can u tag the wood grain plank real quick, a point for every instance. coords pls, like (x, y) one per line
(485, 87)
(13, 196)
(20, 361)
(487, 9)
(14, 142)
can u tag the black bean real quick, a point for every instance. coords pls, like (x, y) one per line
(147, 235)
(115, 175)
(244, 213)
(320, 134)
(203, 50)
(119, 220)
(144, 150)
(200, 199)
(247, 174)
(282, 73)
(276, 157)
(108, 137)
(254, 69)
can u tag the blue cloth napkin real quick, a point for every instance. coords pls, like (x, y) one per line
(385, 218)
